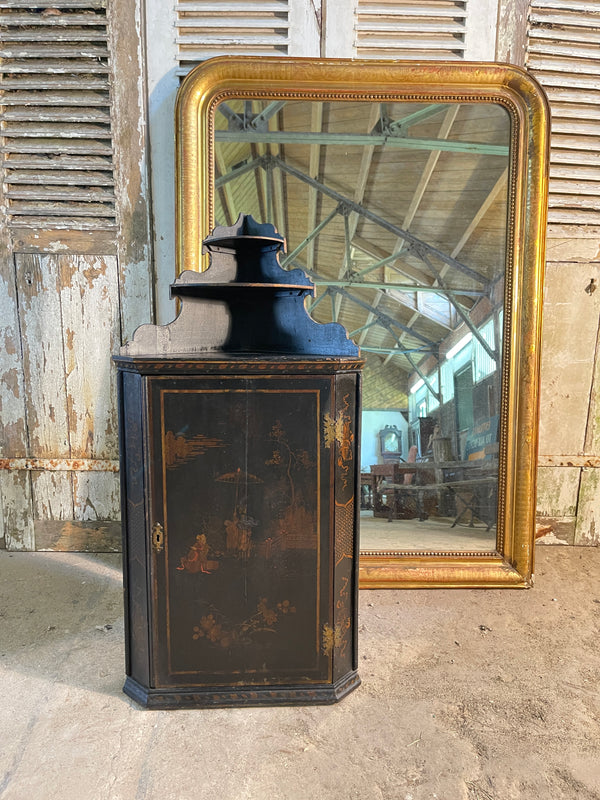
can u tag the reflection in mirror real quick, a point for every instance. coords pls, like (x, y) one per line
(398, 211)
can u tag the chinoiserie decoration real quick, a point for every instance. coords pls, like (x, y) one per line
(239, 449)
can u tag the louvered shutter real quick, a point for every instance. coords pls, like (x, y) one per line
(231, 27)
(564, 54)
(55, 121)
(179, 36)
(425, 29)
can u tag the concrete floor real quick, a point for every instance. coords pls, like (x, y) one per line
(466, 694)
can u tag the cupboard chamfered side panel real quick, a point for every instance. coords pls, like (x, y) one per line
(347, 438)
(132, 414)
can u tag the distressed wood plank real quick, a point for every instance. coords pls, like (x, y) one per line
(34, 240)
(13, 436)
(90, 317)
(96, 496)
(573, 249)
(587, 528)
(511, 41)
(131, 149)
(15, 490)
(52, 494)
(557, 491)
(43, 359)
(569, 461)
(555, 530)
(571, 318)
(591, 444)
(16, 531)
(78, 537)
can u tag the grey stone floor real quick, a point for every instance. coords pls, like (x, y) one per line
(466, 695)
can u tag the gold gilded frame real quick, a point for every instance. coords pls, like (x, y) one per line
(511, 564)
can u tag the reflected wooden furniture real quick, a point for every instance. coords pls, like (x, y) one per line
(465, 490)
(380, 474)
(366, 491)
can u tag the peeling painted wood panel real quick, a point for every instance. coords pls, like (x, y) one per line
(15, 491)
(96, 496)
(571, 318)
(34, 240)
(43, 358)
(587, 528)
(89, 297)
(591, 444)
(130, 157)
(555, 530)
(13, 435)
(16, 527)
(52, 494)
(557, 491)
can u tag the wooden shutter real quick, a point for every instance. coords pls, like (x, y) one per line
(564, 54)
(425, 29)
(231, 27)
(55, 129)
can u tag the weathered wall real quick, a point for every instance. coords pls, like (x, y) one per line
(569, 461)
(71, 289)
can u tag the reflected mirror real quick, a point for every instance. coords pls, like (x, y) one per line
(408, 203)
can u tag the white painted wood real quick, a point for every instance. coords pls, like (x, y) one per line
(96, 496)
(338, 28)
(587, 526)
(130, 160)
(163, 82)
(567, 357)
(43, 357)
(89, 298)
(16, 523)
(52, 495)
(398, 29)
(564, 56)
(481, 27)
(304, 19)
(15, 490)
(557, 491)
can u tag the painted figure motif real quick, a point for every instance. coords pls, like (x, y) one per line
(196, 559)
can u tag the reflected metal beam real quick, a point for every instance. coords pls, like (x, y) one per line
(493, 354)
(419, 245)
(415, 117)
(312, 235)
(385, 320)
(403, 287)
(393, 351)
(423, 377)
(248, 134)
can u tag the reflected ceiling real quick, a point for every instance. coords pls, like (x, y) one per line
(396, 210)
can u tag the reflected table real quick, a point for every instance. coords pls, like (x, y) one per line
(465, 490)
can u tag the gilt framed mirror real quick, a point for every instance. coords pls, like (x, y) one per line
(414, 195)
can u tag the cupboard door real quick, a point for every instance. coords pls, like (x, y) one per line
(242, 485)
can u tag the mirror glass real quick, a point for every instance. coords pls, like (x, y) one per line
(399, 213)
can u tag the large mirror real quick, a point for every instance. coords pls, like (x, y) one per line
(414, 197)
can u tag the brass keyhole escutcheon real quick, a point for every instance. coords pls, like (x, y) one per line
(157, 537)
